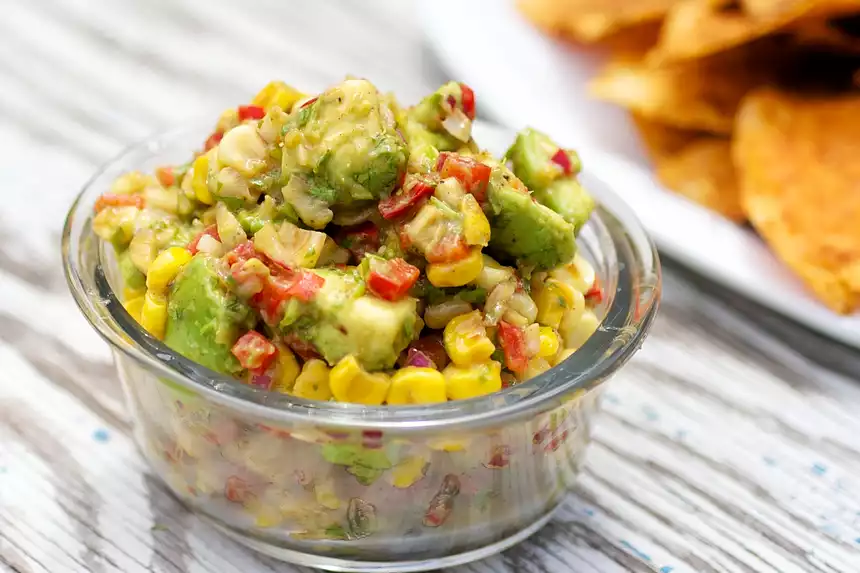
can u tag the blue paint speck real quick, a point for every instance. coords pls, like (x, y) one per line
(2, 469)
(857, 540)
(681, 435)
(589, 512)
(769, 461)
(101, 435)
(667, 569)
(611, 398)
(819, 469)
(634, 551)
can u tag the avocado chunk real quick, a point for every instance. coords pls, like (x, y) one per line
(424, 128)
(132, 278)
(531, 156)
(525, 229)
(204, 318)
(345, 145)
(342, 320)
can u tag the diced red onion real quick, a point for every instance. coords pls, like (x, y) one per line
(417, 358)
(263, 381)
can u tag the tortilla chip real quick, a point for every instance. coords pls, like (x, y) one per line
(699, 95)
(699, 28)
(592, 20)
(703, 172)
(819, 8)
(838, 34)
(798, 162)
(661, 140)
(634, 42)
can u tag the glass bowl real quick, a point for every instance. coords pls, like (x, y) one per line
(347, 487)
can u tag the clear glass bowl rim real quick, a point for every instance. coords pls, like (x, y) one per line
(627, 320)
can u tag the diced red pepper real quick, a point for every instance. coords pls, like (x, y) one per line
(114, 200)
(360, 239)
(254, 351)
(250, 280)
(514, 346)
(241, 253)
(213, 140)
(468, 101)
(414, 190)
(309, 102)
(448, 249)
(595, 293)
(391, 280)
(500, 458)
(562, 160)
(211, 230)
(305, 286)
(246, 112)
(237, 490)
(165, 176)
(472, 175)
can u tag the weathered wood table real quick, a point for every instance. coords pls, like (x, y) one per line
(731, 443)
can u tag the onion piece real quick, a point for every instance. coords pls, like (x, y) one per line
(415, 357)
(458, 125)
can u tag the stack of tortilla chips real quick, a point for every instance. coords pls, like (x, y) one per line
(749, 107)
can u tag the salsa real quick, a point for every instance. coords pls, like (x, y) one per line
(342, 247)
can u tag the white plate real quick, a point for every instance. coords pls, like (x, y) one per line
(521, 78)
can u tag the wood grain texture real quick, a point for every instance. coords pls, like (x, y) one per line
(729, 444)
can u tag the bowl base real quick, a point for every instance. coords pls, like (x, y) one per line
(353, 566)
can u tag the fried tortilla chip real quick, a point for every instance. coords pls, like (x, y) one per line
(837, 34)
(661, 140)
(817, 8)
(698, 28)
(592, 20)
(703, 172)
(700, 95)
(798, 162)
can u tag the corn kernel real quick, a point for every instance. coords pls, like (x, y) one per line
(448, 444)
(351, 383)
(548, 342)
(408, 471)
(129, 183)
(279, 94)
(563, 355)
(165, 267)
(465, 339)
(553, 299)
(536, 366)
(313, 381)
(129, 293)
(577, 332)
(324, 494)
(414, 385)
(200, 179)
(243, 149)
(456, 273)
(287, 370)
(463, 382)
(153, 314)
(476, 227)
(134, 306)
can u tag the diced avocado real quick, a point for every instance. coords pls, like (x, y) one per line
(341, 320)
(132, 278)
(524, 229)
(346, 143)
(531, 156)
(204, 318)
(423, 125)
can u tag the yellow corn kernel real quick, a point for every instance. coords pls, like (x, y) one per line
(457, 273)
(563, 355)
(577, 332)
(324, 494)
(537, 365)
(448, 444)
(129, 183)
(313, 381)
(200, 178)
(553, 299)
(476, 227)
(134, 306)
(243, 149)
(287, 370)
(414, 385)
(408, 471)
(351, 383)
(465, 339)
(165, 267)
(130, 293)
(153, 313)
(279, 94)
(463, 382)
(548, 342)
